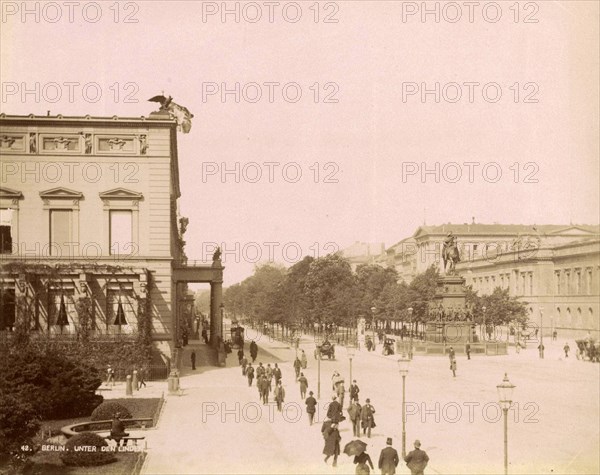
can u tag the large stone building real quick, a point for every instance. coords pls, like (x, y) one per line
(554, 268)
(88, 208)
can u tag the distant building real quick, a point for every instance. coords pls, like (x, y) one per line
(555, 268)
(363, 253)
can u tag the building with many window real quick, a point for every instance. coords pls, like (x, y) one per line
(555, 269)
(88, 213)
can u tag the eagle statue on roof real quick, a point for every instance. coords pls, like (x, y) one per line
(181, 114)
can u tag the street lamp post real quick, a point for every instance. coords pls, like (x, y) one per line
(403, 364)
(319, 341)
(351, 349)
(542, 333)
(410, 344)
(505, 390)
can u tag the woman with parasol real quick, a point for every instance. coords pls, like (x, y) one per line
(362, 459)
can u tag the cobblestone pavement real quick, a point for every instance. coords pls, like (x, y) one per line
(219, 425)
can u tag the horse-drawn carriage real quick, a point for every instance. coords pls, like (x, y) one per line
(325, 349)
(588, 350)
(388, 346)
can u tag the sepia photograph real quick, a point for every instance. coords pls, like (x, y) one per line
(299, 237)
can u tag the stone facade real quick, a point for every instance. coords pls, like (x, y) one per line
(554, 268)
(89, 209)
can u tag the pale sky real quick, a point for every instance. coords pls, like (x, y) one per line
(372, 143)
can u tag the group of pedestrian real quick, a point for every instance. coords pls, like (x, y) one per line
(139, 381)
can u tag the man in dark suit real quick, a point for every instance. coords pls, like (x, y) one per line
(354, 390)
(417, 459)
(334, 411)
(354, 413)
(388, 460)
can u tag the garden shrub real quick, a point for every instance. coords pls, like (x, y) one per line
(108, 409)
(85, 458)
(57, 386)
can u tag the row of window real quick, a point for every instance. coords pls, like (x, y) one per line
(521, 283)
(573, 281)
(61, 232)
(60, 310)
(566, 282)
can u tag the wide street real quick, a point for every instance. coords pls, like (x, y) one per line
(218, 424)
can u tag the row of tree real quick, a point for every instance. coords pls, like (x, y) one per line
(326, 290)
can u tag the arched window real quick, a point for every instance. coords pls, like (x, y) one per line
(558, 316)
(569, 321)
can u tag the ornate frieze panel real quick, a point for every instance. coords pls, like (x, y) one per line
(12, 143)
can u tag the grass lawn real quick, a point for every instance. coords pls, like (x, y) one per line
(49, 463)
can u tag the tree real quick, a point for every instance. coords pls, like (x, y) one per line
(422, 292)
(18, 425)
(56, 386)
(330, 287)
(371, 280)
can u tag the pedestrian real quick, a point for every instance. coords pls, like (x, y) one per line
(334, 410)
(354, 415)
(335, 379)
(269, 375)
(277, 373)
(250, 374)
(260, 370)
(367, 418)
(311, 404)
(303, 360)
(117, 430)
(253, 350)
(554, 335)
(240, 354)
(451, 353)
(468, 350)
(417, 459)
(263, 389)
(141, 377)
(354, 390)
(453, 367)
(518, 347)
(332, 443)
(244, 365)
(193, 358)
(341, 392)
(303, 385)
(566, 348)
(388, 459)
(362, 462)
(279, 395)
(297, 366)
(110, 376)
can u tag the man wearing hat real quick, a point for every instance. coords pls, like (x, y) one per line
(367, 418)
(417, 459)
(334, 411)
(311, 404)
(388, 460)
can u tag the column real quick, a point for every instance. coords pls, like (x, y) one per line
(216, 322)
